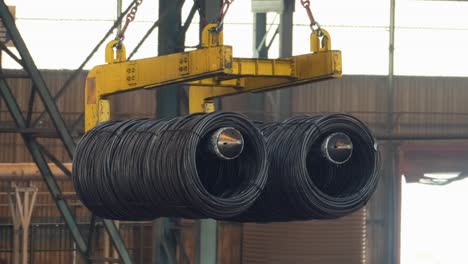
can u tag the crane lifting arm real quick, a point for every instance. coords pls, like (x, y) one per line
(211, 71)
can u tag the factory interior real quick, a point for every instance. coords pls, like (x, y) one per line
(233, 131)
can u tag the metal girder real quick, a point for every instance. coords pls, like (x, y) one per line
(54, 160)
(77, 72)
(165, 240)
(259, 75)
(206, 246)
(212, 66)
(171, 39)
(41, 163)
(89, 252)
(285, 43)
(36, 132)
(34, 148)
(38, 157)
(206, 230)
(32, 98)
(260, 50)
(41, 88)
(11, 54)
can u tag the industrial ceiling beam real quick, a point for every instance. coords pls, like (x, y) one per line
(26, 61)
(43, 167)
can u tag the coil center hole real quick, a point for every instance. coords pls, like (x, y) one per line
(221, 157)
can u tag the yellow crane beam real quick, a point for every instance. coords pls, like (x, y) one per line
(210, 71)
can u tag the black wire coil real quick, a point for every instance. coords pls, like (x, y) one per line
(145, 169)
(302, 183)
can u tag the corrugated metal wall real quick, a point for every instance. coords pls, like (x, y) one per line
(71, 106)
(50, 240)
(424, 106)
(136, 104)
(52, 243)
(335, 242)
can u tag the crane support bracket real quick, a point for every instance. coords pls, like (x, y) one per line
(210, 71)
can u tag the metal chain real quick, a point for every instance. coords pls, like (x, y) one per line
(314, 25)
(222, 12)
(130, 17)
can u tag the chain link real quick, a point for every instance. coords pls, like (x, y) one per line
(130, 17)
(314, 25)
(223, 11)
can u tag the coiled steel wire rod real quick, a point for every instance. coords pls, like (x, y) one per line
(321, 167)
(199, 166)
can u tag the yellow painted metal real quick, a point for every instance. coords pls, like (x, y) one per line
(305, 68)
(104, 110)
(210, 71)
(211, 36)
(105, 80)
(320, 41)
(115, 52)
(162, 70)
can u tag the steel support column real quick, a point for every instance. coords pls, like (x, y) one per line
(393, 179)
(286, 29)
(286, 41)
(43, 167)
(206, 230)
(34, 148)
(392, 183)
(30, 67)
(164, 235)
(260, 50)
(391, 71)
(206, 241)
(170, 41)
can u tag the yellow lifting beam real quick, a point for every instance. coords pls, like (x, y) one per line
(210, 71)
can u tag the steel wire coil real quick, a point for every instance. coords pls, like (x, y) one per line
(303, 182)
(144, 169)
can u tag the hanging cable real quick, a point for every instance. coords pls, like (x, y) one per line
(224, 10)
(222, 13)
(130, 17)
(321, 167)
(153, 27)
(314, 25)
